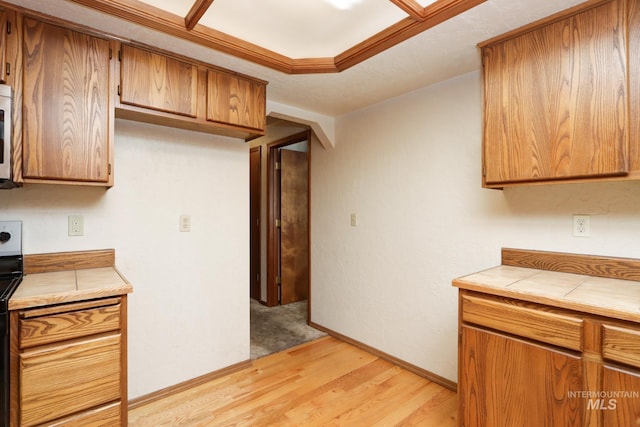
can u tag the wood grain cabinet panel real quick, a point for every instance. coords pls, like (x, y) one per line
(61, 380)
(158, 82)
(235, 100)
(556, 100)
(621, 345)
(69, 364)
(509, 382)
(68, 325)
(620, 403)
(526, 321)
(107, 415)
(67, 128)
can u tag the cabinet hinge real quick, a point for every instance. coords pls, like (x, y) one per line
(8, 27)
(277, 166)
(278, 223)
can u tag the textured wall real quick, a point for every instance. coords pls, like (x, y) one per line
(410, 168)
(189, 313)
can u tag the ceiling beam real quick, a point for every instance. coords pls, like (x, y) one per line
(157, 19)
(436, 13)
(411, 7)
(197, 10)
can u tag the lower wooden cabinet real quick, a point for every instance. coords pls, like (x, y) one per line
(527, 364)
(620, 400)
(509, 382)
(70, 364)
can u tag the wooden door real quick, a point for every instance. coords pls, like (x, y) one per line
(621, 405)
(235, 100)
(66, 113)
(255, 156)
(155, 81)
(509, 382)
(556, 100)
(294, 231)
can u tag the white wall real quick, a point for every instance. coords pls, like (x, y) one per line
(189, 313)
(410, 168)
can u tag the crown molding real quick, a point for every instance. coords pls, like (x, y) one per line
(419, 20)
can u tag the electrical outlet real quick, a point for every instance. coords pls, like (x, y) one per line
(76, 225)
(354, 220)
(581, 226)
(185, 223)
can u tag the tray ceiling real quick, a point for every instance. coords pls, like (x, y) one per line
(295, 37)
(435, 50)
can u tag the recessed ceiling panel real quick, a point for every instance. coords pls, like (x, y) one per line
(302, 28)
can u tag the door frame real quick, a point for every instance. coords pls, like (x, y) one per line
(255, 286)
(273, 210)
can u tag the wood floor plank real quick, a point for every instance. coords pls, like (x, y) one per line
(324, 382)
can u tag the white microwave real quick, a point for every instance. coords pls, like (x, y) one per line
(5, 137)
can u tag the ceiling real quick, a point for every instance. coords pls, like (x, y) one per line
(316, 56)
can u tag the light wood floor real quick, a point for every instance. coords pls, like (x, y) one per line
(326, 382)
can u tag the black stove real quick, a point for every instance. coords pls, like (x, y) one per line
(11, 271)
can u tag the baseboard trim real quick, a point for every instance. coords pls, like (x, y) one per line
(186, 385)
(446, 383)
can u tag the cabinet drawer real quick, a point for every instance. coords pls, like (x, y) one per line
(535, 323)
(621, 345)
(108, 415)
(56, 327)
(57, 381)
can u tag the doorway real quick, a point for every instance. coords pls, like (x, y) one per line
(288, 273)
(280, 239)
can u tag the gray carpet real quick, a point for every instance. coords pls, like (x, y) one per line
(274, 329)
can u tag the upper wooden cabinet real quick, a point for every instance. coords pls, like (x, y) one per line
(235, 100)
(162, 89)
(556, 97)
(66, 112)
(158, 82)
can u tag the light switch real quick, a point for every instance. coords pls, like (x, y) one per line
(354, 220)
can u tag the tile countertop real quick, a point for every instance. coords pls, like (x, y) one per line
(39, 289)
(615, 298)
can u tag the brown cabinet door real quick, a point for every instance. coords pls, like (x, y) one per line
(508, 382)
(620, 400)
(235, 100)
(158, 82)
(66, 379)
(556, 100)
(65, 104)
